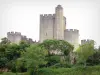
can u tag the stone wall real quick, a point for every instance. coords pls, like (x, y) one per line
(53, 26)
(46, 26)
(16, 37)
(72, 36)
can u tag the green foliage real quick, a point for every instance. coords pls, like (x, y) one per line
(10, 73)
(84, 51)
(54, 59)
(94, 70)
(3, 47)
(33, 57)
(70, 71)
(12, 51)
(23, 45)
(9, 52)
(95, 58)
(5, 41)
(59, 45)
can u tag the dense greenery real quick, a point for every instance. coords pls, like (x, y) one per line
(71, 71)
(84, 51)
(94, 70)
(52, 57)
(9, 52)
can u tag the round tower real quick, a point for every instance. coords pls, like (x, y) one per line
(59, 23)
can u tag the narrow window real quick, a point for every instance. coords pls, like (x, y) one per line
(46, 34)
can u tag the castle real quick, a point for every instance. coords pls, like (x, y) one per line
(53, 26)
(16, 37)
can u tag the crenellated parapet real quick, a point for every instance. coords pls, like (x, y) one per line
(10, 33)
(45, 18)
(17, 33)
(23, 36)
(16, 37)
(14, 33)
(46, 15)
(86, 41)
(72, 31)
(53, 15)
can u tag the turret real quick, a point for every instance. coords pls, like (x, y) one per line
(59, 23)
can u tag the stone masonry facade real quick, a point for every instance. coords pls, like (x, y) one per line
(53, 26)
(16, 37)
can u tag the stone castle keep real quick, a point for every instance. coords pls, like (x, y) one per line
(53, 26)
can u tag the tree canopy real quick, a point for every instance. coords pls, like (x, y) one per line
(59, 45)
(84, 51)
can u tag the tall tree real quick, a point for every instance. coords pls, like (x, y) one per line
(84, 51)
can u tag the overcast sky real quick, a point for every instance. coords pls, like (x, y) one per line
(23, 16)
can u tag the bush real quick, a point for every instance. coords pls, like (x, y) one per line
(92, 70)
(71, 71)
(10, 73)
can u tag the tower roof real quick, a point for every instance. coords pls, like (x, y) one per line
(59, 6)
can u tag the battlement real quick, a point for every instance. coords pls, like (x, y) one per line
(72, 30)
(53, 15)
(13, 33)
(24, 36)
(46, 15)
(17, 33)
(86, 40)
(10, 33)
(29, 39)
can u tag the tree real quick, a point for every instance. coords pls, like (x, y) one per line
(57, 47)
(23, 45)
(95, 58)
(13, 51)
(9, 52)
(84, 51)
(33, 57)
(3, 46)
(5, 41)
